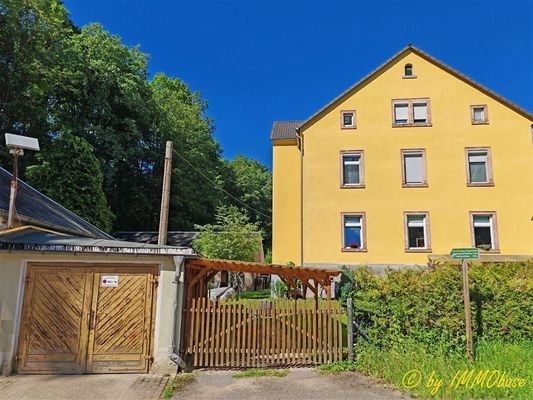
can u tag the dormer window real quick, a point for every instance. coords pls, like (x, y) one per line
(408, 71)
(348, 119)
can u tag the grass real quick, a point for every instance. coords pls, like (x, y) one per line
(260, 373)
(256, 294)
(176, 385)
(432, 375)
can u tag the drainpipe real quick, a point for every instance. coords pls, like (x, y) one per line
(299, 137)
(179, 262)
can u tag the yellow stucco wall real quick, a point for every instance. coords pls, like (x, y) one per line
(11, 268)
(447, 198)
(286, 203)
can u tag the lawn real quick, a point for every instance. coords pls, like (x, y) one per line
(500, 371)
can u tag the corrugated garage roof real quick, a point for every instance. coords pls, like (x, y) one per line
(35, 208)
(284, 129)
(30, 238)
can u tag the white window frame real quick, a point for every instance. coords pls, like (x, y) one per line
(485, 121)
(362, 216)
(353, 125)
(425, 225)
(492, 225)
(410, 103)
(488, 166)
(352, 153)
(422, 153)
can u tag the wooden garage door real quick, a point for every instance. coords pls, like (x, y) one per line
(90, 319)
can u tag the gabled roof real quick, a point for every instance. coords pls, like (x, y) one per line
(32, 238)
(35, 208)
(284, 130)
(427, 57)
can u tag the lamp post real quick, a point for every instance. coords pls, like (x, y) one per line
(16, 145)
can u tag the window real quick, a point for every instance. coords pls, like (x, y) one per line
(348, 119)
(484, 235)
(479, 114)
(479, 170)
(352, 169)
(408, 70)
(414, 168)
(417, 231)
(411, 112)
(353, 232)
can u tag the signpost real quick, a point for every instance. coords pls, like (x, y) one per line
(467, 254)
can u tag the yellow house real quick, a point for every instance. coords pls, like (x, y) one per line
(413, 160)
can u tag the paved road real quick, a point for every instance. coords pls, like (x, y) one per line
(300, 384)
(82, 387)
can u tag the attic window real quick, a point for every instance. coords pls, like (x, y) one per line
(348, 119)
(408, 71)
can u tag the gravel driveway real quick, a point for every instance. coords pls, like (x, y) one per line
(300, 384)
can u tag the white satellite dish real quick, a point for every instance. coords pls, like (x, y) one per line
(21, 142)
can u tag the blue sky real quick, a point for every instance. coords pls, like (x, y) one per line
(260, 61)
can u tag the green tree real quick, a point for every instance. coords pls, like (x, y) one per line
(251, 182)
(232, 237)
(69, 173)
(181, 118)
(33, 35)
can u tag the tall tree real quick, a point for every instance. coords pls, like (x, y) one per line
(69, 173)
(197, 172)
(251, 182)
(33, 37)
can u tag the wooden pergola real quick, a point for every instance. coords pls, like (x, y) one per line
(199, 271)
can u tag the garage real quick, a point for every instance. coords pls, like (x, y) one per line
(87, 319)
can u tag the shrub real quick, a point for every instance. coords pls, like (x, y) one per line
(426, 306)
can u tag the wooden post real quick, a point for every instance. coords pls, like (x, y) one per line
(163, 217)
(468, 316)
(349, 310)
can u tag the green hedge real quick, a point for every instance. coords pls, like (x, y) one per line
(426, 306)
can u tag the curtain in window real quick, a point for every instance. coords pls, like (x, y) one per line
(351, 170)
(477, 164)
(416, 226)
(479, 114)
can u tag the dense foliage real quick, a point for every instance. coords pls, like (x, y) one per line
(55, 77)
(79, 184)
(426, 307)
(232, 237)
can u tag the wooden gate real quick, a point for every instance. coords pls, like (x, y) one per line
(79, 320)
(237, 333)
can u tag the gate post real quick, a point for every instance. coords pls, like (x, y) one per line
(349, 309)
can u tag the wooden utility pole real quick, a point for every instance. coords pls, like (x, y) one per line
(165, 196)
(468, 315)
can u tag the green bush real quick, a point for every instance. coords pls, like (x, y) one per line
(426, 306)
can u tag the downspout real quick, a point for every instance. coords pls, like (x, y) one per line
(179, 262)
(299, 138)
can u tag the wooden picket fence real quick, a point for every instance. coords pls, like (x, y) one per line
(259, 333)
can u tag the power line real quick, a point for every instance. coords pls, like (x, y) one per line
(220, 187)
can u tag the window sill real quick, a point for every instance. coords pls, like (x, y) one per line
(345, 250)
(418, 251)
(480, 184)
(358, 186)
(348, 127)
(409, 77)
(496, 251)
(415, 185)
(427, 124)
(480, 122)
